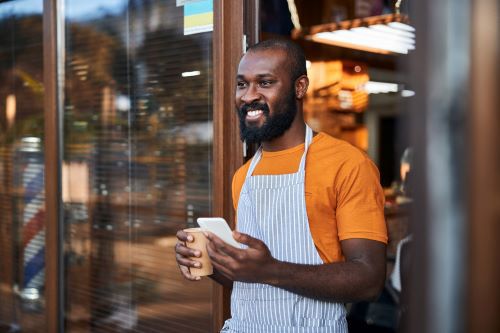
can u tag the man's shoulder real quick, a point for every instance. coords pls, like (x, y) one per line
(242, 171)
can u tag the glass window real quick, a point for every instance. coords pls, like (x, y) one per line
(137, 163)
(22, 199)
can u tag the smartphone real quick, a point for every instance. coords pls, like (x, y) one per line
(219, 227)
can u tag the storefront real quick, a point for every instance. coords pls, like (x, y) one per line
(118, 129)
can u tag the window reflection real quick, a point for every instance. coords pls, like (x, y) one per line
(22, 198)
(137, 158)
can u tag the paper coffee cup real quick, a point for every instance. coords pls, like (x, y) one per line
(199, 243)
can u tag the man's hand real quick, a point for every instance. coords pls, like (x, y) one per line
(183, 254)
(254, 264)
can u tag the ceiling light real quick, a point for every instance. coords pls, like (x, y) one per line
(293, 13)
(407, 93)
(373, 87)
(386, 34)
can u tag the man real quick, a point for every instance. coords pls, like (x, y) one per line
(309, 210)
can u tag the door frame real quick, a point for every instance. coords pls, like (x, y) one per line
(53, 76)
(235, 27)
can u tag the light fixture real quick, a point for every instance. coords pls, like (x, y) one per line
(385, 34)
(10, 109)
(373, 87)
(294, 15)
(407, 93)
(188, 74)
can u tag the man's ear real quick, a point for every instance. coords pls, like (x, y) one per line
(301, 85)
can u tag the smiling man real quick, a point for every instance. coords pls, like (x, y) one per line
(309, 210)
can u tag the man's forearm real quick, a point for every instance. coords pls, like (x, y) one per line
(340, 282)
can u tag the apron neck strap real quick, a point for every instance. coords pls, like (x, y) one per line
(307, 142)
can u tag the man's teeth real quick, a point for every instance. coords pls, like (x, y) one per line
(254, 113)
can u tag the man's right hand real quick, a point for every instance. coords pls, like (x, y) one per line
(183, 255)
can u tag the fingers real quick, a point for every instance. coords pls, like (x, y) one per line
(184, 255)
(187, 274)
(184, 236)
(216, 255)
(222, 246)
(223, 270)
(220, 261)
(247, 240)
(185, 251)
(188, 262)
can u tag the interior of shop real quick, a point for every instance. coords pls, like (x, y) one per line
(359, 93)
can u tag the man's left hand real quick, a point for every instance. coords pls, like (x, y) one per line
(254, 264)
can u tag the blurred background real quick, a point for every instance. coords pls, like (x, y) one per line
(123, 109)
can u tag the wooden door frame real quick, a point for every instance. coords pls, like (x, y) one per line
(483, 296)
(53, 76)
(235, 27)
(227, 148)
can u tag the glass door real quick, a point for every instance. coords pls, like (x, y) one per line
(137, 162)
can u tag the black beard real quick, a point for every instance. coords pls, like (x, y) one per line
(274, 126)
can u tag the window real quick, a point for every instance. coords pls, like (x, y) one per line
(137, 164)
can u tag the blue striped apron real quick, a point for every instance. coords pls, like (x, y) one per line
(272, 208)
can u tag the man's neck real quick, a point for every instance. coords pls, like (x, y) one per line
(292, 137)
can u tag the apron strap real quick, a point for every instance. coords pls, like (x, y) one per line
(308, 140)
(258, 155)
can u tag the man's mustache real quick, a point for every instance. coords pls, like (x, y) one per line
(243, 110)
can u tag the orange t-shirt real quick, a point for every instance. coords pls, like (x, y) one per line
(344, 198)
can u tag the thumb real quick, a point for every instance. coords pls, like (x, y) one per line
(247, 240)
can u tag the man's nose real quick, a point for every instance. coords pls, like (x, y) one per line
(251, 95)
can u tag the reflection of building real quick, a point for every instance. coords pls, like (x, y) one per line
(141, 188)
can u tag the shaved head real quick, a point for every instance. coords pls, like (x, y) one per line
(295, 58)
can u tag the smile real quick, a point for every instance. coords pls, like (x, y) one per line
(254, 114)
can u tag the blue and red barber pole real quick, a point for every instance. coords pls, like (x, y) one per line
(29, 175)
(33, 227)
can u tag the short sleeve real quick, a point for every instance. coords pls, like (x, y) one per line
(360, 203)
(237, 184)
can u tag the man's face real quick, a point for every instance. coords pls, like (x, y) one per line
(265, 96)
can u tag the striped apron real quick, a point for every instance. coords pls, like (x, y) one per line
(272, 208)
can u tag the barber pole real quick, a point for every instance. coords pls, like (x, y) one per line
(30, 170)
(33, 227)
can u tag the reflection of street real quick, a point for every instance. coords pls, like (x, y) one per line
(148, 292)
(145, 132)
(170, 303)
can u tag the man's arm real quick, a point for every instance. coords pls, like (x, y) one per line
(360, 277)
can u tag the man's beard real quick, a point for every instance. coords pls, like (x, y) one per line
(274, 126)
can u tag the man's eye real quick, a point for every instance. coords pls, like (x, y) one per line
(241, 84)
(265, 83)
